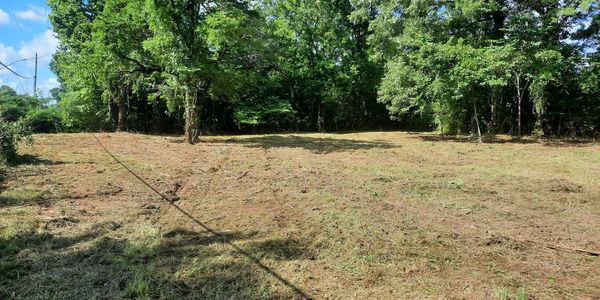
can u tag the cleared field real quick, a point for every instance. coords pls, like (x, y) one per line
(365, 215)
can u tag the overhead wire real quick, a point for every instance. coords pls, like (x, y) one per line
(18, 61)
(22, 36)
(300, 293)
(13, 71)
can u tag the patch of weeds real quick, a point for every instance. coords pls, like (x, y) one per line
(456, 183)
(418, 189)
(225, 277)
(351, 247)
(504, 294)
(522, 294)
(324, 196)
(501, 293)
(438, 259)
(9, 246)
(492, 268)
(19, 196)
(140, 284)
(14, 227)
(9, 271)
(452, 206)
(373, 194)
(143, 242)
(17, 222)
(385, 179)
(280, 249)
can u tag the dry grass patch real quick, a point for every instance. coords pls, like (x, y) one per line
(366, 215)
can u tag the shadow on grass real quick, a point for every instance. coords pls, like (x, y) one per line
(235, 271)
(23, 195)
(316, 145)
(505, 140)
(180, 264)
(27, 159)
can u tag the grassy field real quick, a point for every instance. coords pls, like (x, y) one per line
(349, 216)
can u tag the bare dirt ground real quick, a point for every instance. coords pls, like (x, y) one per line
(349, 216)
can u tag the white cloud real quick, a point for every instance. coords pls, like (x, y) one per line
(48, 84)
(34, 13)
(44, 44)
(7, 55)
(4, 17)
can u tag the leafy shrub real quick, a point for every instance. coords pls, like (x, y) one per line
(79, 111)
(44, 120)
(11, 133)
(272, 112)
(13, 107)
(12, 113)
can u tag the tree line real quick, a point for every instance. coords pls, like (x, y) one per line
(456, 66)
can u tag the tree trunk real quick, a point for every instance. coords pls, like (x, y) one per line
(191, 117)
(320, 120)
(111, 112)
(122, 117)
(156, 116)
(477, 122)
(519, 100)
(541, 121)
(494, 112)
(519, 118)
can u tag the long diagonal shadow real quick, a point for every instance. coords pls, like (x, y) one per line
(241, 251)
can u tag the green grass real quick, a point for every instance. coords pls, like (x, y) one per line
(19, 196)
(504, 294)
(139, 284)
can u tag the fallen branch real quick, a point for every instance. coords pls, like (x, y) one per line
(576, 250)
(558, 247)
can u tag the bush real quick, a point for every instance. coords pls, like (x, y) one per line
(10, 136)
(44, 120)
(12, 113)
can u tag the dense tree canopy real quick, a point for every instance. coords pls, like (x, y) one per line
(462, 66)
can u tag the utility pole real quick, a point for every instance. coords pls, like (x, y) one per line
(35, 77)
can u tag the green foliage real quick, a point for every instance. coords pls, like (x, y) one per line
(139, 286)
(460, 66)
(11, 133)
(14, 107)
(271, 111)
(79, 111)
(460, 59)
(47, 120)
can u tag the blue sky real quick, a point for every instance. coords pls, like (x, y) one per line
(24, 30)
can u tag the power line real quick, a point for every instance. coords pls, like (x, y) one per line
(18, 61)
(300, 293)
(12, 71)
